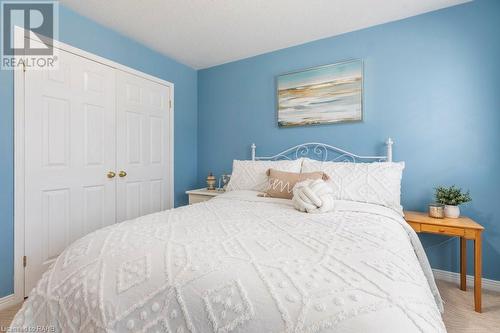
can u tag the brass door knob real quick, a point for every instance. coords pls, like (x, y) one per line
(111, 174)
(122, 173)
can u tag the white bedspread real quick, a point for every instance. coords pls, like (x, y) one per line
(245, 264)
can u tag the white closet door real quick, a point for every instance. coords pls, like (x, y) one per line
(142, 146)
(69, 149)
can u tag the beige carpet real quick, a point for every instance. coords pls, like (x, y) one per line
(6, 317)
(459, 315)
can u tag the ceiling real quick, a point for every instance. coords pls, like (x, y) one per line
(205, 33)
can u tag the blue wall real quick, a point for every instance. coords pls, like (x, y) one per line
(432, 83)
(87, 35)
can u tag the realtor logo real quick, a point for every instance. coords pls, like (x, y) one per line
(28, 29)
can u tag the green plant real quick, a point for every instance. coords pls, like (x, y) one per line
(451, 195)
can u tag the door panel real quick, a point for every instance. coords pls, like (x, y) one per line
(93, 208)
(133, 199)
(134, 137)
(156, 195)
(55, 209)
(69, 148)
(55, 131)
(142, 127)
(156, 142)
(94, 134)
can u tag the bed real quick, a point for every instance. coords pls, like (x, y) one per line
(242, 263)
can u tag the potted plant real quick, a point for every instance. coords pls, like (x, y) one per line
(451, 197)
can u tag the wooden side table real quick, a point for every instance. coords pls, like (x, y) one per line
(202, 194)
(463, 227)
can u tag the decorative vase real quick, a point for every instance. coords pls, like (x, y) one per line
(451, 211)
(211, 181)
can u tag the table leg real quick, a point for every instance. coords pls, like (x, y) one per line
(477, 272)
(463, 263)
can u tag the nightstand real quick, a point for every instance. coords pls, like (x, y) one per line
(462, 227)
(202, 194)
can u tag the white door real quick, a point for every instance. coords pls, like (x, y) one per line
(69, 150)
(142, 146)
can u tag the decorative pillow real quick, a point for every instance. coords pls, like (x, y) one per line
(252, 175)
(377, 183)
(281, 183)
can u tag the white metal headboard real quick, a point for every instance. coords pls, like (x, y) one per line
(320, 151)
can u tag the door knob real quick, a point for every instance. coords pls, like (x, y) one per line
(111, 174)
(122, 173)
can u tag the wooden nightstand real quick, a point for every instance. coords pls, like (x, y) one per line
(462, 227)
(202, 194)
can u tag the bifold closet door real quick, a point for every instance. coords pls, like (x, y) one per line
(69, 150)
(142, 146)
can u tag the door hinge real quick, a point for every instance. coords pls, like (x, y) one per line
(24, 261)
(170, 104)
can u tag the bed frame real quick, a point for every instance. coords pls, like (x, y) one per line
(324, 152)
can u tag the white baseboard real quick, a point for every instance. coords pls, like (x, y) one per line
(7, 301)
(487, 284)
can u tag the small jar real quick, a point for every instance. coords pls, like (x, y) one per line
(436, 210)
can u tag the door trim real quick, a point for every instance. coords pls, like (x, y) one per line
(19, 144)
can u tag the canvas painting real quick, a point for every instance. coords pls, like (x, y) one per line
(322, 95)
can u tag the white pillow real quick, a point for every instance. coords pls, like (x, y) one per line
(252, 175)
(377, 183)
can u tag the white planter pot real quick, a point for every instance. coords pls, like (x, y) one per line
(451, 211)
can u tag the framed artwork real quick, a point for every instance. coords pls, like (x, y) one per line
(321, 95)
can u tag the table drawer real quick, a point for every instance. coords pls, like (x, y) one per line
(442, 230)
(195, 198)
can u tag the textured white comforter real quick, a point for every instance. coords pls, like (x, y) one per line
(245, 264)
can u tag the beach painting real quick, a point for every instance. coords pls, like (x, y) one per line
(322, 95)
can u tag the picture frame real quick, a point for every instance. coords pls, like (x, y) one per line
(320, 95)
